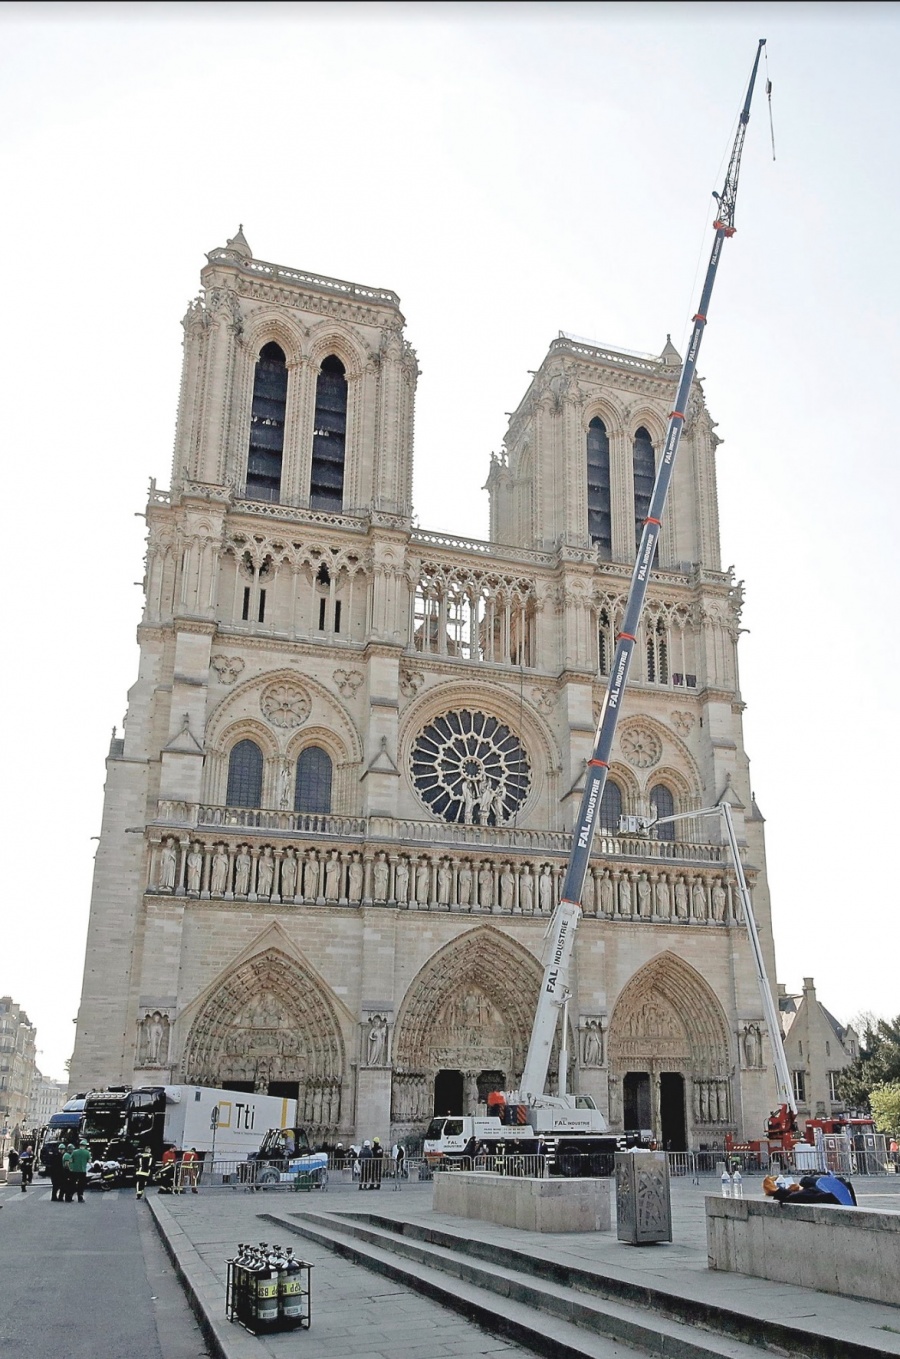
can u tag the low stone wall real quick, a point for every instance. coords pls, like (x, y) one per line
(532, 1205)
(836, 1250)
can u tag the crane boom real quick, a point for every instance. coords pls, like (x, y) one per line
(568, 912)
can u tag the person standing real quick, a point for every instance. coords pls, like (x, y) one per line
(79, 1160)
(52, 1155)
(167, 1171)
(190, 1166)
(377, 1163)
(365, 1166)
(26, 1165)
(143, 1170)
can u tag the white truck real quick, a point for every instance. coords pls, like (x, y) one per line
(117, 1122)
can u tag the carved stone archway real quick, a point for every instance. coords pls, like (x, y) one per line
(270, 1021)
(667, 1019)
(470, 1009)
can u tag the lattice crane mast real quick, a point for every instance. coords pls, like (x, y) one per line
(554, 987)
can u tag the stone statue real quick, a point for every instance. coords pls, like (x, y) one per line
(445, 883)
(606, 893)
(423, 883)
(507, 889)
(663, 899)
(545, 890)
(218, 879)
(526, 892)
(355, 879)
(265, 873)
(194, 868)
(288, 876)
(681, 899)
(155, 1039)
(333, 877)
(377, 1040)
(645, 907)
(242, 866)
(401, 881)
(284, 786)
(484, 799)
(698, 901)
(168, 866)
(719, 901)
(381, 875)
(625, 897)
(311, 877)
(486, 887)
(752, 1045)
(498, 801)
(464, 885)
(470, 797)
(592, 1044)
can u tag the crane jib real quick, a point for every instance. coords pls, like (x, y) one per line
(569, 909)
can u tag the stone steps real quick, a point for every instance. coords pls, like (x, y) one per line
(528, 1305)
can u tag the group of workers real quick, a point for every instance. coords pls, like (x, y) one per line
(171, 1174)
(67, 1168)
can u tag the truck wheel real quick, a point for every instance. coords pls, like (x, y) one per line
(267, 1177)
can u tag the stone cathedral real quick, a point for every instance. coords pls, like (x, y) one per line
(337, 822)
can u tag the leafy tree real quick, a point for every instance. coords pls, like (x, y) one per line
(878, 1061)
(885, 1103)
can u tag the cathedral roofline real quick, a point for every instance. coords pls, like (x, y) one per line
(236, 256)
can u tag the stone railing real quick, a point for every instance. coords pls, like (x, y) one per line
(257, 867)
(281, 274)
(404, 831)
(478, 547)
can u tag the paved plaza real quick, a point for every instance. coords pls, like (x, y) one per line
(359, 1314)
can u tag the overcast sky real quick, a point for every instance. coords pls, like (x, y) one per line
(510, 170)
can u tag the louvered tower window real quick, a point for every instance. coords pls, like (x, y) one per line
(267, 425)
(611, 808)
(312, 792)
(245, 765)
(644, 463)
(599, 514)
(326, 487)
(662, 803)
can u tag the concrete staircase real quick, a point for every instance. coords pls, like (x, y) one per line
(555, 1309)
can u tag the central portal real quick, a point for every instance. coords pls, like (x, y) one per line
(638, 1110)
(448, 1092)
(672, 1118)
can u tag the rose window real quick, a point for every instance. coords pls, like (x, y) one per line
(470, 768)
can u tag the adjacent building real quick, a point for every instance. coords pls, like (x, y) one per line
(17, 1068)
(818, 1048)
(337, 821)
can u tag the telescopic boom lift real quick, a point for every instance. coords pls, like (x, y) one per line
(554, 987)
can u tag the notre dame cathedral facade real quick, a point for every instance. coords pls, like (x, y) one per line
(337, 822)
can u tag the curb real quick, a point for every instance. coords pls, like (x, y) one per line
(205, 1293)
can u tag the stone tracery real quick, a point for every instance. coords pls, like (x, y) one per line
(270, 1020)
(466, 763)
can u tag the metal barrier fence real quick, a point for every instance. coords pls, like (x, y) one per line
(356, 1172)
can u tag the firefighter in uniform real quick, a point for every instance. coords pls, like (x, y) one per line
(143, 1170)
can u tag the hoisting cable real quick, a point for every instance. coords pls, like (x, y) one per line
(769, 97)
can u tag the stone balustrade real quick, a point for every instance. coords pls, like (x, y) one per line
(256, 869)
(491, 839)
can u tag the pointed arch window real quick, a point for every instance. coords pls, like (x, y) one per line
(644, 464)
(326, 486)
(606, 642)
(611, 808)
(312, 791)
(267, 425)
(657, 652)
(662, 803)
(598, 493)
(245, 768)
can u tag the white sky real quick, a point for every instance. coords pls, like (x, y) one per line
(510, 170)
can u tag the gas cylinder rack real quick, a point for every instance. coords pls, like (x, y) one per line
(267, 1290)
